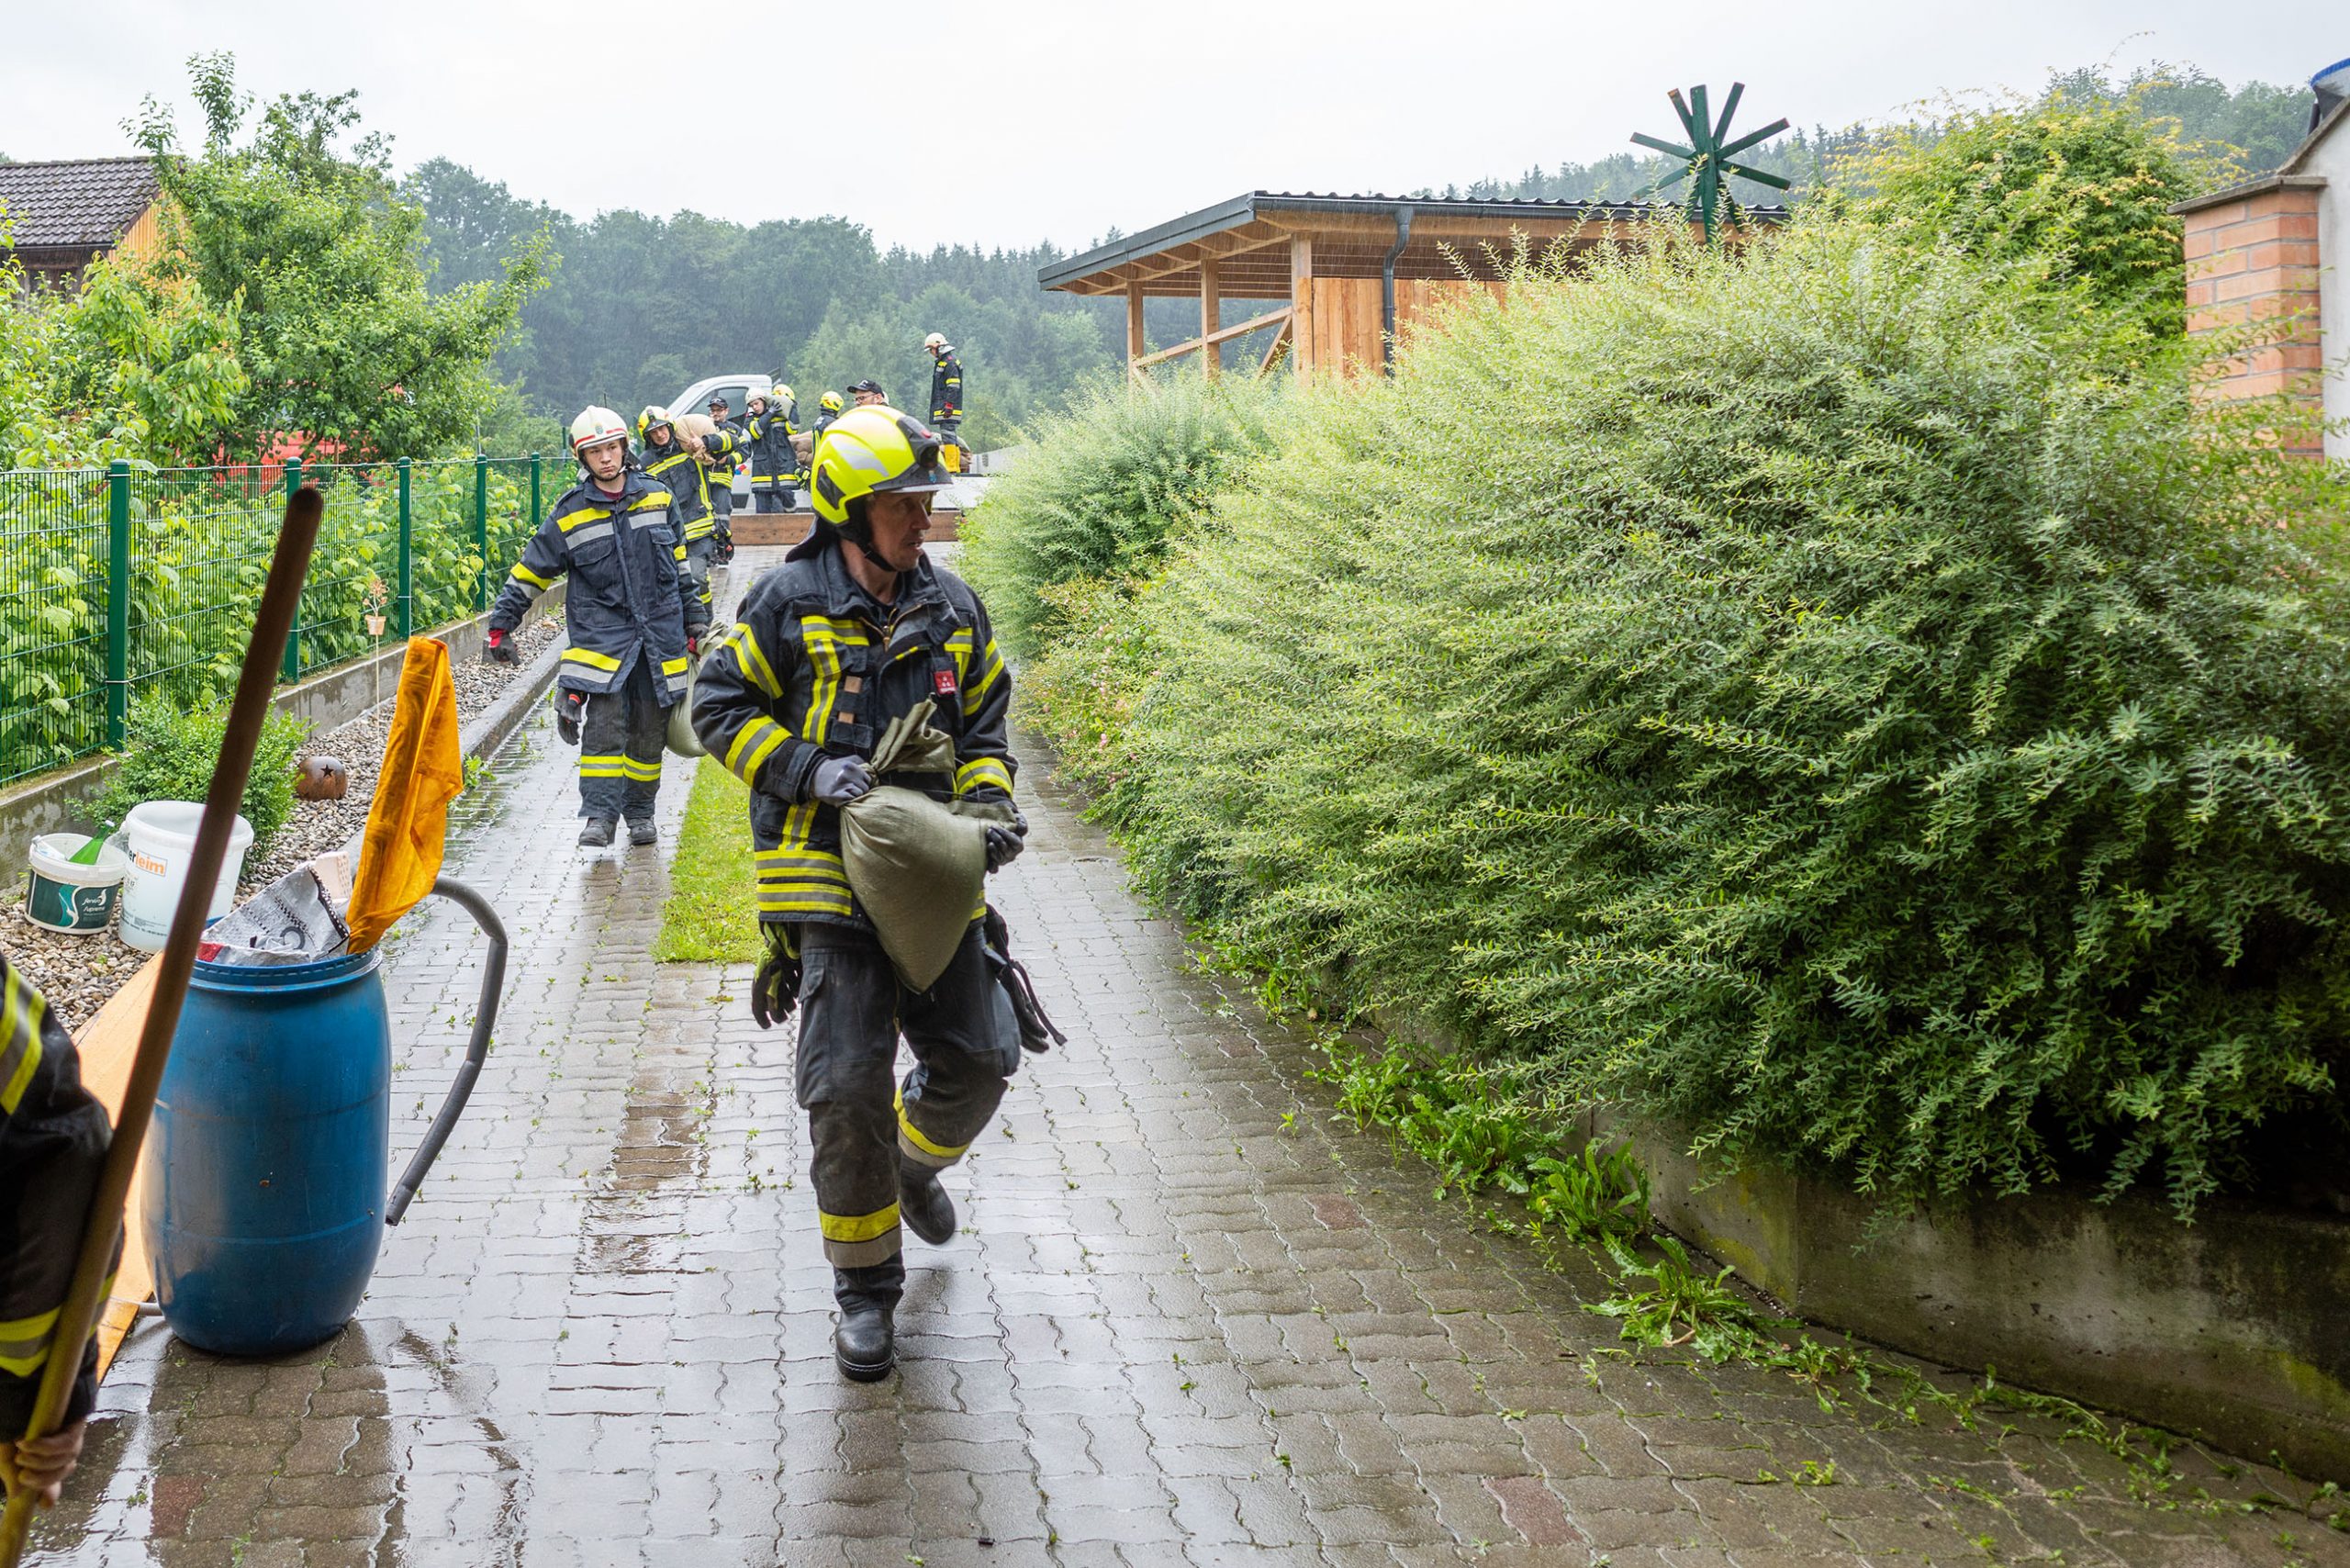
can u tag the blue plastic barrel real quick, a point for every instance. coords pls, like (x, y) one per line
(266, 1163)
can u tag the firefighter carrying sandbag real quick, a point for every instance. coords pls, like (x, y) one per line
(680, 458)
(633, 620)
(858, 629)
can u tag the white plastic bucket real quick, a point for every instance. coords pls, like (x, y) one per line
(66, 896)
(161, 837)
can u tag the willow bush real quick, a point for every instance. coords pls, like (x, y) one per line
(1828, 698)
(1103, 489)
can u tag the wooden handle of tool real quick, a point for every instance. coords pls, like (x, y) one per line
(247, 713)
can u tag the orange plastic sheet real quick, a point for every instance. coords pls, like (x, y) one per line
(407, 824)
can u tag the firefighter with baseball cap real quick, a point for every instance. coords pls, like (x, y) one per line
(632, 618)
(857, 629)
(722, 469)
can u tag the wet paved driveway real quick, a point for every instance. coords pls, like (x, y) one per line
(1178, 1328)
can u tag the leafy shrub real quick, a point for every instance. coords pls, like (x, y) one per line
(171, 754)
(1104, 489)
(2079, 190)
(1815, 696)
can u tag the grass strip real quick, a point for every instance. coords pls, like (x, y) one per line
(713, 914)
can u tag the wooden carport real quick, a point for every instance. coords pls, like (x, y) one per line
(1350, 271)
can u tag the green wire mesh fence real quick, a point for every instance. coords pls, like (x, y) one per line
(115, 585)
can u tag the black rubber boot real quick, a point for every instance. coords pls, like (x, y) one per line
(923, 1205)
(865, 1341)
(597, 832)
(642, 833)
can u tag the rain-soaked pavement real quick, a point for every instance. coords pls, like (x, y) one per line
(1191, 1319)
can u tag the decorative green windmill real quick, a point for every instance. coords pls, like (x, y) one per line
(1707, 158)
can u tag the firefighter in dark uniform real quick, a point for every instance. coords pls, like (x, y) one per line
(722, 476)
(946, 388)
(828, 409)
(632, 618)
(775, 465)
(858, 628)
(54, 1138)
(670, 459)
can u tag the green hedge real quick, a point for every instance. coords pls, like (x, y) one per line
(1102, 490)
(1823, 697)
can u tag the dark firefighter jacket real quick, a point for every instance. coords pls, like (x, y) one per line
(688, 480)
(628, 599)
(773, 462)
(815, 667)
(947, 388)
(54, 1139)
(735, 456)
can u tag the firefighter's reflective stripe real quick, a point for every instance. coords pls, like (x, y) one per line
(24, 1343)
(530, 579)
(855, 1241)
(592, 659)
(983, 772)
(643, 772)
(588, 536)
(21, 1014)
(570, 522)
(753, 744)
(914, 1144)
(825, 637)
(799, 882)
(752, 659)
(613, 766)
(991, 671)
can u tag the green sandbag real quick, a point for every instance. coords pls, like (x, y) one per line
(917, 865)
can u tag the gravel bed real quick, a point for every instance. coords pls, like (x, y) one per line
(77, 974)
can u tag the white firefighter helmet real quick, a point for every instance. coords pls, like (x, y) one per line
(594, 426)
(935, 342)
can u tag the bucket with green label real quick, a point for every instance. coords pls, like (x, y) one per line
(69, 894)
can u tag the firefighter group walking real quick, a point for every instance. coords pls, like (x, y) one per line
(856, 638)
(856, 632)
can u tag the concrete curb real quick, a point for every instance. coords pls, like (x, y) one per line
(490, 727)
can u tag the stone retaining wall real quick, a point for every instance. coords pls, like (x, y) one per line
(2234, 1329)
(59, 801)
(791, 526)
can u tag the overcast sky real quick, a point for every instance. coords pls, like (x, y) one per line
(1011, 121)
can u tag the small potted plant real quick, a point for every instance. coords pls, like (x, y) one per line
(378, 596)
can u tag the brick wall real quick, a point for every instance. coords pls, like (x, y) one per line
(2251, 256)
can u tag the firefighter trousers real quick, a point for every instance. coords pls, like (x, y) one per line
(863, 1126)
(696, 567)
(769, 499)
(621, 734)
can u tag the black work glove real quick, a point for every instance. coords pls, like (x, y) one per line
(570, 708)
(694, 635)
(775, 990)
(1005, 842)
(840, 779)
(501, 649)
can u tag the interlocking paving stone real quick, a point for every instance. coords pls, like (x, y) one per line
(603, 1334)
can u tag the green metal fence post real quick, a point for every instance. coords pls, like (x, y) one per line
(536, 516)
(481, 531)
(407, 552)
(118, 602)
(292, 668)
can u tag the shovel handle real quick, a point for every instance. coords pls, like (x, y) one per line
(493, 985)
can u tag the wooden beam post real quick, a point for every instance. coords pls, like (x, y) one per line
(1300, 306)
(1136, 342)
(1211, 307)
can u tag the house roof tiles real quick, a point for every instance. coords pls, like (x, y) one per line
(85, 203)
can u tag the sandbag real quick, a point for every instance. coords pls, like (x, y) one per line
(681, 737)
(696, 428)
(917, 865)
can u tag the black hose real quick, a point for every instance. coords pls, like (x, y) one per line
(493, 984)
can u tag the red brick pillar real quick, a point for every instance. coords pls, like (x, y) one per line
(2251, 256)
